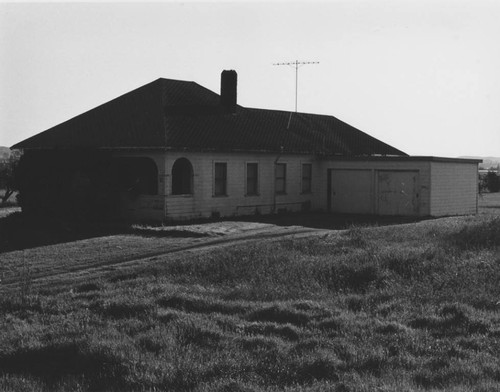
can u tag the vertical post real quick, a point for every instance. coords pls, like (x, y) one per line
(296, 83)
(297, 64)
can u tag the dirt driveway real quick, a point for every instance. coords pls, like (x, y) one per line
(88, 254)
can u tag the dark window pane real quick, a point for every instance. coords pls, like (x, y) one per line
(280, 178)
(252, 178)
(182, 177)
(220, 178)
(306, 177)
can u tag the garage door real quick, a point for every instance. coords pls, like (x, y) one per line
(397, 192)
(351, 191)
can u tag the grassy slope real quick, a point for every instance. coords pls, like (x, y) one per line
(410, 307)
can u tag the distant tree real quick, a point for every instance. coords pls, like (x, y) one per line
(8, 175)
(482, 185)
(493, 181)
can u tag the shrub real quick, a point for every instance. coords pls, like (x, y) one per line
(492, 181)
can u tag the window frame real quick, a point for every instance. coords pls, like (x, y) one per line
(276, 178)
(257, 178)
(215, 192)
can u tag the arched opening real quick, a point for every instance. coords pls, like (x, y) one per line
(182, 177)
(138, 176)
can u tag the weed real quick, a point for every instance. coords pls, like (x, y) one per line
(123, 308)
(391, 308)
(355, 276)
(331, 325)
(86, 287)
(356, 236)
(288, 332)
(201, 306)
(477, 235)
(279, 315)
(315, 368)
(257, 343)
(188, 332)
(62, 359)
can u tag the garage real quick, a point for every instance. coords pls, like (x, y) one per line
(401, 186)
(351, 191)
(397, 192)
(381, 192)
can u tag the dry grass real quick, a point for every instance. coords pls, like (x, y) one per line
(411, 307)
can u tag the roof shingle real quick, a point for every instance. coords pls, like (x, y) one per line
(178, 115)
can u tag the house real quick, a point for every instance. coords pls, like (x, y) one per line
(173, 150)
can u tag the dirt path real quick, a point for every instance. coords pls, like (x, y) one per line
(90, 258)
(87, 259)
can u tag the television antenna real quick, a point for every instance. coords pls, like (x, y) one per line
(297, 64)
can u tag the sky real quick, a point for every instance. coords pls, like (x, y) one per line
(420, 75)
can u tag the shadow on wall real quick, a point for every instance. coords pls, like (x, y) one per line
(81, 185)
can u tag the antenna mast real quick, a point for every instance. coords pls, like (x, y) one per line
(297, 64)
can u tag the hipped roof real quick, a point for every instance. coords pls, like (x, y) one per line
(180, 115)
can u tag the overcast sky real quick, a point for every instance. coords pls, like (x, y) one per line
(423, 76)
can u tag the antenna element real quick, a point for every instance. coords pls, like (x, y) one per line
(297, 64)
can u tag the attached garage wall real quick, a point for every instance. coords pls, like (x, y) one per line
(381, 186)
(421, 186)
(352, 191)
(454, 187)
(398, 192)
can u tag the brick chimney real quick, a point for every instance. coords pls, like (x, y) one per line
(228, 83)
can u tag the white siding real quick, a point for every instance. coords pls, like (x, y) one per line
(454, 188)
(203, 203)
(442, 188)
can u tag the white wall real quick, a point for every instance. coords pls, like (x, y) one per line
(444, 187)
(203, 203)
(454, 188)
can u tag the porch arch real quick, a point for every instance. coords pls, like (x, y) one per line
(182, 177)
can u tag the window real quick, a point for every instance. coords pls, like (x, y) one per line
(280, 178)
(306, 177)
(252, 179)
(182, 177)
(220, 179)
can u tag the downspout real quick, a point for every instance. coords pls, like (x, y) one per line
(274, 193)
(166, 177)
(477, 188)
(165, 185)
(276, 162)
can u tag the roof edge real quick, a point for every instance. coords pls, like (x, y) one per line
(429, 158)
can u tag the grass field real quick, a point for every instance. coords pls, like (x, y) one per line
(411, 307)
